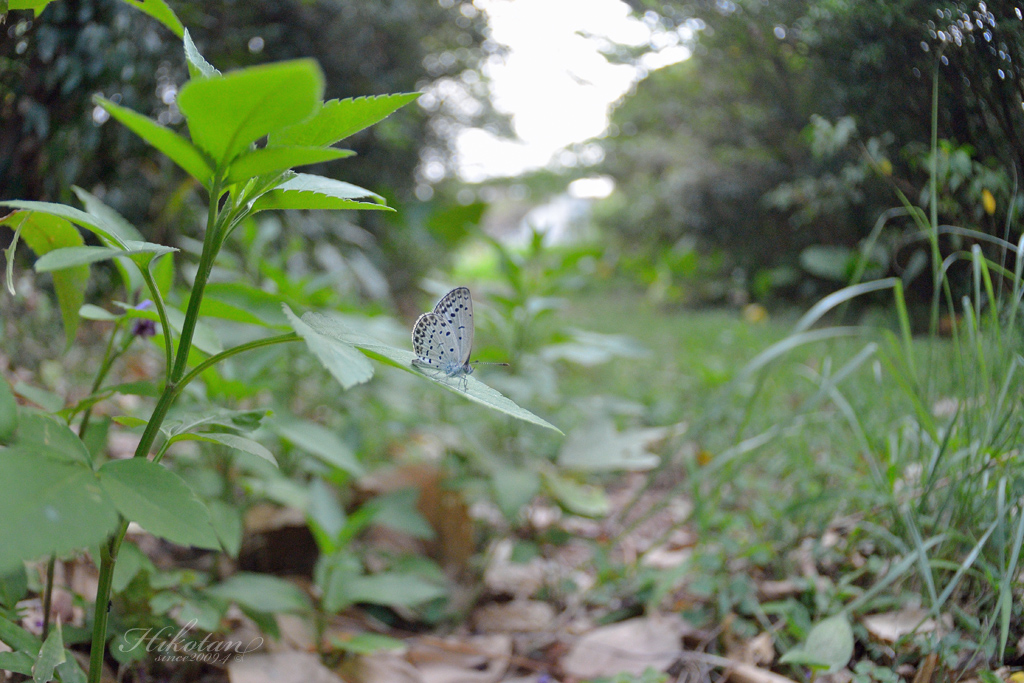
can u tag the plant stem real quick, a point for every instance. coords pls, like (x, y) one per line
(108, 552)
(248, 346)
(48, 594)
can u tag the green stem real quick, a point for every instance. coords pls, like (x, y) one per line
(108, 555)
(48, 594)
(158, 300)
(108, 552)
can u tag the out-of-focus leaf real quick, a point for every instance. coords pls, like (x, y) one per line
(319, 441)
(261, 593)
(45, 233)
(598, 447)
(8, 412)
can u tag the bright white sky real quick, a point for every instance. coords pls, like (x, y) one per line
(554, 81)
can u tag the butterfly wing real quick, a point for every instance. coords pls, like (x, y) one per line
(435, 344)
(456, 309)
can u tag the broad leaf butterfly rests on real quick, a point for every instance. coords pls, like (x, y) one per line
(442, 340)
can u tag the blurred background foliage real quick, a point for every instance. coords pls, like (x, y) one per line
(793, 121)
(50, 67)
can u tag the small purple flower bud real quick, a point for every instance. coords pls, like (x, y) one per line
(144, 328)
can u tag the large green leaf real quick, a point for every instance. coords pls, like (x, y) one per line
(49, 505)
(465, 386)
(159, 500)
(36, 428)
(228, 113)
(36, 6)
(276, 159)
(339, 119)
(305, 191)
(44, 233)
(829, 645)
(8, 412)
(319, 441)
(261, 593)
(343, 361)
(179, 150)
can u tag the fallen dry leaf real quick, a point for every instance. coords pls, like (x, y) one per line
(476, 659)
(629, 646)
(891, 626)
(380, 667)
(281, 667)
(514, 616)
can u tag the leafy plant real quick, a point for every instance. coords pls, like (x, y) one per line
(59, 496)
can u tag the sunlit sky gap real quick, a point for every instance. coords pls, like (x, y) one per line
(554, 81)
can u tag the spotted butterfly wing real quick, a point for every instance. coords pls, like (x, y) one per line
(434, 343)
(456, 308)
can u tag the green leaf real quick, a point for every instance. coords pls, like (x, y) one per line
(48, 401)
(261, 593)
(17, 662)
(212, 308)
(339, 119)
(305, 191)
(344, 362)
(239, 443)
(198, 67)
(91, 312)
(18, 638)
(130, 561)
(320, 442)
(68, 257)
(112, 221)
(36, 6)
(466, 386)
(366, 643)
(159, 10)
(244, 420)
(829, 645)
(13, 587)
(40, 429)
(69, 213)
(49, 505)
(582, 499)
(325, 515)
(398, 511)
(514, 488)
(227, 522)
(227, 114)
(8, 412)
(44, 233)
(159, 500)
(179, 150)
(277, 159)
(51, 655)
(598, 447)
(392, 589)
(264, 305)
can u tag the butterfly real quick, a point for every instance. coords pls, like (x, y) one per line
(443, 339)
